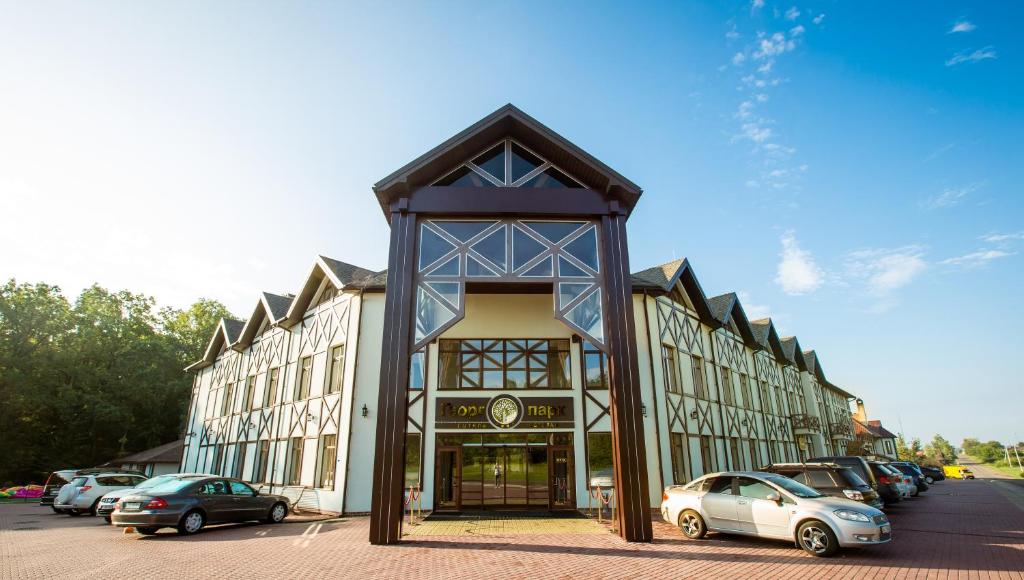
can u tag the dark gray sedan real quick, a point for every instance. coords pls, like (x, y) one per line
(189, 502)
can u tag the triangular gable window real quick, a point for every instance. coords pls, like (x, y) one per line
(508, 164)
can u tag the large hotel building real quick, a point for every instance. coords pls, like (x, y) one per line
(507, 359)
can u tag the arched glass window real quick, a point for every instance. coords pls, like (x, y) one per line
(508, 164)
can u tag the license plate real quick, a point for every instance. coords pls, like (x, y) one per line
(132, 505)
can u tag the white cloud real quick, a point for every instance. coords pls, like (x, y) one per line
(1002, 238)
(976, 259)
(818, 19)
(756, 132)
(762, 98)
(756, 4)
(792, 13)
(774, 45)
(975, 56)
(963, 26)
(745, 110)
(766, 67)
(797, 273)
(950, 196)
(797, 30)
(738, 58)
(886, 270)
(732, 35)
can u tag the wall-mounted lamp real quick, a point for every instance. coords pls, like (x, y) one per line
(310, 417)
(252, 425)
(693, 414)
(643, 409)
(745, 423)
(366, 412)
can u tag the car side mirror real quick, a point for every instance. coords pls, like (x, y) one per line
(774, 496)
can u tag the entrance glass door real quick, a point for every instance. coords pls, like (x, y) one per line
(561, 477)
(448, 485)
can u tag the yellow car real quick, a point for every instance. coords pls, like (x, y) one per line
(958, 471)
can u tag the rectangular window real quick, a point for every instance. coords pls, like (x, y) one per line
(755, 459)
(748, 401)
(418, 370)
(697, 369)
(270, 395)
(413, 452)
(600, 462)
(728, 395)
(336, 374)
(250, 392)
(780, 408)
(595, 365)
(679, 470)
(259, 474)
(504, 364)
(294, 471)
(734, 451)
(305, 376)
(229, 400)
(218, 455)
(764, 391)
(326, 461)
(668, 359)
(707, 454)
(239, 467)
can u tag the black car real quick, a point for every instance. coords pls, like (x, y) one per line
(911, 470)
(934, 473)
(855, 462)
(830, 479)
(887, 488)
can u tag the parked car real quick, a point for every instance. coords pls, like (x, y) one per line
(830, 479)
(932, 474)
(58, 479)
(190, 502)
(109, 500)
(769, 505)
(888, 484)
(957, 471)
(911, 471)
(904, 483)
(857, 463)
(83, 494)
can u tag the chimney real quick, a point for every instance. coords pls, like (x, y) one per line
(861, 415)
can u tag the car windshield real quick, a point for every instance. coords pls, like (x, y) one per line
(853, 478)
(154, 481)
(171, 485)
(79, 481)
(793, 487)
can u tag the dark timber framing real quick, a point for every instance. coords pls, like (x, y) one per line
(406, 196)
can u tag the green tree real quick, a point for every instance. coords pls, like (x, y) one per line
(908, 452)
(77, 379)
(939, 451)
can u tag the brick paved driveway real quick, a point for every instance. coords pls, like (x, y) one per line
(960, 529)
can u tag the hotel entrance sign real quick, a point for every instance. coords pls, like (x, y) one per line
(504, 412)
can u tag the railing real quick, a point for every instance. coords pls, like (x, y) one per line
(806, 422)
(841, 431)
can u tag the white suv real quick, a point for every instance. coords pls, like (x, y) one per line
(83, 494)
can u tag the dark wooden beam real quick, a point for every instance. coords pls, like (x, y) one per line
(389, 458)
(628, 447)
(498, 201)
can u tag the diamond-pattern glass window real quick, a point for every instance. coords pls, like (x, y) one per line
(555, 232)
(584, 249)
(431, 314)
(508, 164)
(432, 247)
(587, 316)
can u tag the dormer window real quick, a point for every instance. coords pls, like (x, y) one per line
(327, 295)
(508, 164)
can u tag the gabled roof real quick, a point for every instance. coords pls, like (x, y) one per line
(664, 278)
(224, 336)
(270, 307)
(814, 365)
(872, 428)
(883, 432)
(767, 337)
(508, 121)
(166, 453)
(726, 308)
(341, 274)
(791, 347)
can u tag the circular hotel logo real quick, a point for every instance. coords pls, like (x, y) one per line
(504, 411)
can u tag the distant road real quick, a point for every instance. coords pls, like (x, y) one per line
(1011, 487)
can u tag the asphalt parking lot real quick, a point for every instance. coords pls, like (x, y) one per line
(959, 529)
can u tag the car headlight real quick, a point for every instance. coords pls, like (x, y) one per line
(851, 515)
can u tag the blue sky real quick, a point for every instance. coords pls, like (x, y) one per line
(851, 169)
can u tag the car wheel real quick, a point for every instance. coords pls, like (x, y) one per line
(73, 512)
(56, 510)
(277, 513)
(92, 509)
(817, 539)
(692, 525)
(147, 531)
(191, 523)
(929, 480)
(106, 519)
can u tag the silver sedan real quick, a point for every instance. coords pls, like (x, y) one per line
(772, 506)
